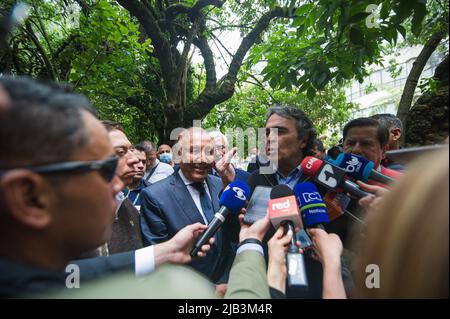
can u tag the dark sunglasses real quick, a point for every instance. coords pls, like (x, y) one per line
(106, 168)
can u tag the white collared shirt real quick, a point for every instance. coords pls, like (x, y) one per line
(162, 171)
(195, 194)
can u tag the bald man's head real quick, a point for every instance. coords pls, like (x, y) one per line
(195, 153)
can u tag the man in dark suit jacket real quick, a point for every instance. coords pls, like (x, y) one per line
(294, 142)
(58, 185)
(126, 232)
(190, 195)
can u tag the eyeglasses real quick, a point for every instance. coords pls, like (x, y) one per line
(106, 168)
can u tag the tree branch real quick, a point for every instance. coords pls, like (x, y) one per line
(29, 30)
(208, 98)
(208, 58)
(179, 8)
(42, 28)
(187, 46)
(252, 37)
(223, 46)
(160, 43)
(85, 8)
(414, 75)
(228, 26)
(87, 69)
(260, 85)
(65, 44)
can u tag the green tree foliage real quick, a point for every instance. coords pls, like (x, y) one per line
(116, 72)
(333, 41)
(101, 53)
(134, 60)
(328, 110)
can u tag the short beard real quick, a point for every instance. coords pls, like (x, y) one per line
(135, 182)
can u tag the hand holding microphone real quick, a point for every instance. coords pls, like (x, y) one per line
(232, 200)
(278, 249)
(327, 247)
(283, 211)
(176, 250)
(377, 193)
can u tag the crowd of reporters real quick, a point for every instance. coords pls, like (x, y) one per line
(75, 193)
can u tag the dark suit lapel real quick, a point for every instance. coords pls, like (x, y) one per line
(271, 179)
(214, 191)
(184, 200)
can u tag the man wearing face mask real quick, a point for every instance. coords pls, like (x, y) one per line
(165, 154)
(155, 170)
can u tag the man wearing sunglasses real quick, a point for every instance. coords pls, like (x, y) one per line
(58, 185)
(126, 233)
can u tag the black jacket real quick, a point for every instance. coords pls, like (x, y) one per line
(167, 207)
(19, 280)
(126, 233)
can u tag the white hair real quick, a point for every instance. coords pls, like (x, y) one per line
(215, 134)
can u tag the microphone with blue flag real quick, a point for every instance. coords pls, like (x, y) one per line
(312, 206)
(360, 168)
(232, 200)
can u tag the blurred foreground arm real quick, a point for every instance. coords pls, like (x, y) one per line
(248, 274)
(176, 250)
(277, 270)
(328, 250)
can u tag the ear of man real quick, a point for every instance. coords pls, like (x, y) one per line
(28, 197)
(397, 134)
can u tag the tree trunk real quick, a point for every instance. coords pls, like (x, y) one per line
(173, 115)
(413, 78)
(427, 121)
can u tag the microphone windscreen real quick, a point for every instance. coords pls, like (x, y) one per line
(281, 191)
(312, 207)
(234, 196)
(356, 166)
(311, 165)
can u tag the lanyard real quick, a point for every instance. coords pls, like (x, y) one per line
(136, 199)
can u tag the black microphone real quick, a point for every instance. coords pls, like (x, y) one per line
(283, 210)
(232, 200)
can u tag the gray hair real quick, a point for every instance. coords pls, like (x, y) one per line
(388, 120)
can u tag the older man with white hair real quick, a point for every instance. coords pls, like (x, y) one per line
(190, 195)
(222, 147)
